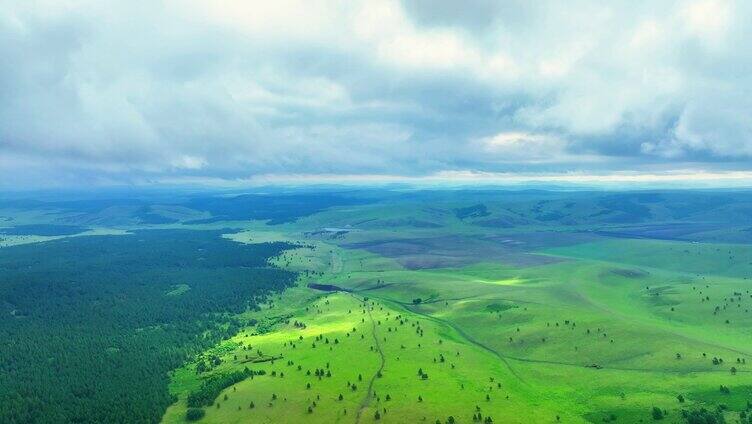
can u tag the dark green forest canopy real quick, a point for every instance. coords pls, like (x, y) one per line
(43, 230)
(96, 322)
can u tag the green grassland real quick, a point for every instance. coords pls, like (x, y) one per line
(371, 354)
(519, 307)
(607, 332)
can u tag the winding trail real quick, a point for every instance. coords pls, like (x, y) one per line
(452, 299)
(336, 263)
(471, 340)
(460, 331)
(369, 392)
(507, 358)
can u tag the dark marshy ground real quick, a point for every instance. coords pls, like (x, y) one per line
(453, 251)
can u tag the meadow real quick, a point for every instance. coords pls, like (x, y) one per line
(544, 324)
(459, 307)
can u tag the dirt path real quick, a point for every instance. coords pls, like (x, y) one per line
(507, 358)
(336, 263)
(369, 392)
(470, 340)
(410, 308)
(612, 368)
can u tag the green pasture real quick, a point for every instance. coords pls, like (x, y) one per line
(607, 331)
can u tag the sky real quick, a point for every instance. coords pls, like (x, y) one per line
(257, 92)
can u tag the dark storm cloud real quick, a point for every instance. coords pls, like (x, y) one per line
(134, 91)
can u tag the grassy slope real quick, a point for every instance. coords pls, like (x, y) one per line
(622, 291)
(405, 352)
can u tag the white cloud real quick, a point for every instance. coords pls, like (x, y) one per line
(239, 88)
(530, 148)
(189, 162)
(708, 19)
(515, 146)
(718, 126)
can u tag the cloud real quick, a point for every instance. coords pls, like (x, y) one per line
(718, 127)
(531, 148)
(122, 91)
(189, 162)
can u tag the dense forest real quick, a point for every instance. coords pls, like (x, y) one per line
(92, 325)
(42, 230)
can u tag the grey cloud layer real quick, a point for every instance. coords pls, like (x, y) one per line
(121, 90)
